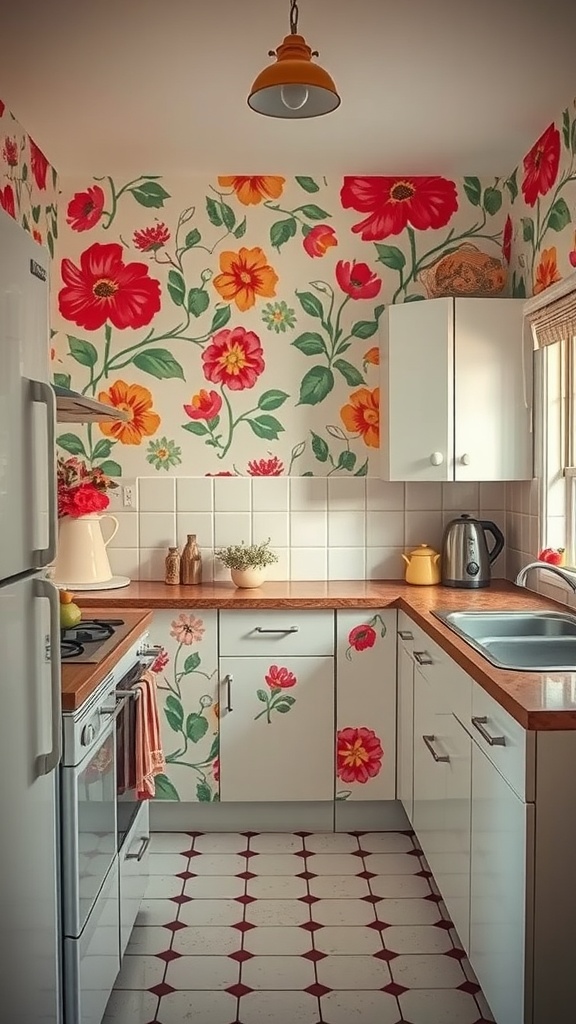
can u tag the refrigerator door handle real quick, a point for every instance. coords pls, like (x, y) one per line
(43, 394)
(46, 763)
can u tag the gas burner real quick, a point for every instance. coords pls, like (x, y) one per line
(70, 649)
(91, 639)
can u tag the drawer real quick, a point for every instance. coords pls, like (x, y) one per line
(133, 872)
(276, 633)
(452, 685)
(92, 961)
(504, 741)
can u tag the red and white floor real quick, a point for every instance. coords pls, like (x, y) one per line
(293, 929)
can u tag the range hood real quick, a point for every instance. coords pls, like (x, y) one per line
(72, 407)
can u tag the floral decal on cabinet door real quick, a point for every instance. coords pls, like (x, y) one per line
(358, 757)
(188, 694)
(364, 636)
(279, 679)
(28, 184)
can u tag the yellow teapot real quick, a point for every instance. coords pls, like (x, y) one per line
(422, 566)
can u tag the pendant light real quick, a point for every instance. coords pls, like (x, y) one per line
(294, 86)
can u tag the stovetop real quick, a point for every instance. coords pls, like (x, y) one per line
(91, 640)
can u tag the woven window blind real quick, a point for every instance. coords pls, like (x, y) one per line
(555, 322)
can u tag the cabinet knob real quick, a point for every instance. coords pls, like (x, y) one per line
(465, 460)
(436, 458)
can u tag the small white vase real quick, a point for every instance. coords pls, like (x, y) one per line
(249, 578)
(82, 558)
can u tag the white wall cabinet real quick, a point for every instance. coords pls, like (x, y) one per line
(455, 391)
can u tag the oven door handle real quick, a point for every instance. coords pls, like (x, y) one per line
(125, 696)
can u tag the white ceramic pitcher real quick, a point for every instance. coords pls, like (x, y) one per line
(82, 558)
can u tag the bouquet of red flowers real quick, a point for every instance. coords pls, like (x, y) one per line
(81, 491)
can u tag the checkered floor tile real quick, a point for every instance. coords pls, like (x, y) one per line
(297, 928)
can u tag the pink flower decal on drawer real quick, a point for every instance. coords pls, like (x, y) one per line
(275, 698)
(358, 754)
(364, 636)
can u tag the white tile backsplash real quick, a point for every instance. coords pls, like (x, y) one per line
(156, 494)
(307, 493)
(270, 494)
(460, 495)
(346, 495)
(346, 529)
(385, 529)
(270, 525)
(308, 529)
(194, 494)
(382, 496)
(423, 528)
(308, 563)
(157, 529)
(232, 494)
(200, 523)
(232, 528)
(384, 564)
(126, 535)
(124, 562)
(427, 496)
(346, 563)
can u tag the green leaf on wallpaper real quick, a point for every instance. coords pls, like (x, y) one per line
(174, 712)
(518, 286)
(319, 447)
(55, 227)
(272, 399)
(54, 177)
(316, 385)
(160, 363)
(102, 449)
(527, 229)
(335, 431)
(262, 696)
(241, 229)
(35, 214)
(62, 380)
(228, 216)
(559, 215)
(111, 468)
(82, 351)
(267, 427)
(198, 301)
(150, 194)
(378, 310)
(473, 189)
(308, 184)
(214, 212)
(192, 239)
(364, 328)
(310, 304)
(195, 428)
(192, 662)
(310, 343)
(363, 471)
(351, 375)
(24, 172)
(512, 185)
(203, 793)
(221, 317)
(346, 460)
(312, 211)
(492, 200)
(196, 727)
(71, 443)
(165, 790)
(414, 298)
(573, 137)
(214, 749)
(391, 256)
(281, 231)
(213, 423)
(50, 244)
(566, 128)
(176, 287)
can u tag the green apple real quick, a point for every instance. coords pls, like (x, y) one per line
(70, 615)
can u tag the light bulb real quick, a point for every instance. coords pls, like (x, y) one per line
(294, 96)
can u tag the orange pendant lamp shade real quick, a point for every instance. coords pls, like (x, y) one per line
(294, 86)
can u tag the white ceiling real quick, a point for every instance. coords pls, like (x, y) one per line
(427, 86)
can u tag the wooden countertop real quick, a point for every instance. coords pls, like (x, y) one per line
(537, 700)
(79, 681)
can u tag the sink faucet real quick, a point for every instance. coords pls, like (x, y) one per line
(569, 579)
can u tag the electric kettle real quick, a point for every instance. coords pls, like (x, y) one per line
(466, 559)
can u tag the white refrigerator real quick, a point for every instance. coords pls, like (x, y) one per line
(30, 701)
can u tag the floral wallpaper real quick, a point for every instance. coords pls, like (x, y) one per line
(236, 319)
(27, 182)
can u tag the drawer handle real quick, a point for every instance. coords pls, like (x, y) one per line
(143, 847)
(479, 723)
(429, 740)
(228, 681)
(291, 629)
(423, 658)
(405, 634)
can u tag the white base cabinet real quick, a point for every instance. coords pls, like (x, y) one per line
(405, 718)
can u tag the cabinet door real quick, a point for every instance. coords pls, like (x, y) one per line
(452, 856)
(405, 735)
(277, 729)
(416, 393)
(498, 889)
(492, 392)
(187, 676)
(430, 771)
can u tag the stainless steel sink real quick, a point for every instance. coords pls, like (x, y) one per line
(526, 641)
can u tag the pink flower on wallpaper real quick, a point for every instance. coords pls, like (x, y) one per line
(7, 200)
(151, 239)
(216, 769)
(85, 208)
(358, 754)
(394, 203)
(319, 240)
(357, 280)
(234, 358)
(10, 152)
(541, 165)
(39, 165)
(266, 467)
(204, 406)
(104, 288)
(507, 239)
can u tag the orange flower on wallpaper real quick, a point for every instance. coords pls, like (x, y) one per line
(362, 415)
(371, 357)
(547, 270)
(252, 190)
(245, 275)
(137, 402)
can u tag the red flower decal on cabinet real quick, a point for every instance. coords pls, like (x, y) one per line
(104, 288)
(234, 358)
(364, 636)
(39, 165)
(85, 208)
(541, 165)
(394, 203)
(358, 754)
(279, 679)
(357, 280)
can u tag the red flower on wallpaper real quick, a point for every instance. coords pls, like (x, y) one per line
(7, 200)
(2, 107)
(507, 239)
(10, 152)
(357, 280)
(104, 288)
(234, 358)
(358, 754)
(216, 769)
(151, 239)
(266, 467)
(393, 203)
(572, 253)
(85, 208)
(362, 637)
(280, 678)
(541, 165)
(204, 406)
(39, 165)
(319, 240)
(37, 236)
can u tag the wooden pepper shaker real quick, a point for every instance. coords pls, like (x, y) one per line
(191, 562)
(172, 567)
